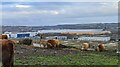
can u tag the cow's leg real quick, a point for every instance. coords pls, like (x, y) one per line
(7, 56)
(6, 63)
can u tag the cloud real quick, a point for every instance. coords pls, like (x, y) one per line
(111, 5)
(38, 21)
(53, 13)
(42, 13)
(22, 6)
(60, 0)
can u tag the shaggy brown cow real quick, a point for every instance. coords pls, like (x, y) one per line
(44, 43)
(3, 36)
(7, 52)
(100, 47)
(85, 46)
(53, 43)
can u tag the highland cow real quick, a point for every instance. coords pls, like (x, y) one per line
(53, 43)
(6, 47)
(100, 47)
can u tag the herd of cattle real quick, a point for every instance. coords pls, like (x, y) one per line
(7, 47)
(53, 43)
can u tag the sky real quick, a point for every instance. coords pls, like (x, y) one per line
(55, 13)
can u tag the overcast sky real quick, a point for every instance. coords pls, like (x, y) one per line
(54, 13)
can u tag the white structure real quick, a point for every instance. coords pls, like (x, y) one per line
(57, 37)
(73, 30)
(15, 34)
(94, 38)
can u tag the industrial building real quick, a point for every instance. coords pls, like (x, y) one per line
(76, 34)
(94, 38)
(80, 38)
(20, 34)
(57, 37)
(64, 34)
(76, 31)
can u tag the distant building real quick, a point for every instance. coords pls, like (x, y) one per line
(94, 38)
(74, 34)
(20, 34)
(57, 37)
(76, 31)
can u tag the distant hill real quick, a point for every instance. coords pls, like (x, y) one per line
(106, 26)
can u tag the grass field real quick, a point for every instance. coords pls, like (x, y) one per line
(70, 58)
(63, 56)
(91, 59)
